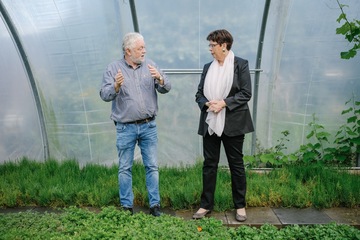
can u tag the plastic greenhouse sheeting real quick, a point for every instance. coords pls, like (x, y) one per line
(51, 107)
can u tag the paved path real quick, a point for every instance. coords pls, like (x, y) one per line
(281, 217)
(257, 216)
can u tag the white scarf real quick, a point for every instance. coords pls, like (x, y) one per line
(218, 82)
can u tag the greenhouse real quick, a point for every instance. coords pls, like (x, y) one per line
(54, 54)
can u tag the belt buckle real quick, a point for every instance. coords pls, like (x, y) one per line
(146, 120)
(141, 121)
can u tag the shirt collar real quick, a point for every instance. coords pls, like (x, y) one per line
(127, 64)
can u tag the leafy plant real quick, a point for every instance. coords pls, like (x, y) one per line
(348, 137)
(273, 157)
(314, 151)
(343, 149)
(351, 31)
(110, 223)
(277, 157)
(346, 147)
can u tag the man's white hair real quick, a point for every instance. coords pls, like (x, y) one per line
(130, 39)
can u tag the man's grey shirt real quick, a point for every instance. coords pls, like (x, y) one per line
(137, 97)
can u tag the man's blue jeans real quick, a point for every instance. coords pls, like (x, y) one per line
(145, 135)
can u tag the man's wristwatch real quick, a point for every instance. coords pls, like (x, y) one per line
(161, 78)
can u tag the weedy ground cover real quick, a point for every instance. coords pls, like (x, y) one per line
(62, 184)
(110, 223)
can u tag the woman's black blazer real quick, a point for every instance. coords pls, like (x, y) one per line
(238, 118)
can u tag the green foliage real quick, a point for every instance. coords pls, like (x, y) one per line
(110, 223)
(57, 184)
(343, 149)
(267, 231)
(313, 152)
(179, 187)
(346, 144)
(302, 186)
(351, 31)
(327, 188)
(273, 157)
(63, 184)
(348, 137)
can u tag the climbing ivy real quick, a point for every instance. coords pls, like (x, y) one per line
(351, 31)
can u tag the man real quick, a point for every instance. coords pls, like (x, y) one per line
(132, 84)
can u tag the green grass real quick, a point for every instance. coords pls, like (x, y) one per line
(62, 184)
(109, 223)
(66, 184)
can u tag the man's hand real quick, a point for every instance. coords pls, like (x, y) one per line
(119, 80)
(155, 74)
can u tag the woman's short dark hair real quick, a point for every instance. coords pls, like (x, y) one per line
(221, 36)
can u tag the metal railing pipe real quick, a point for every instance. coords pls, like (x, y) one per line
(257, 74)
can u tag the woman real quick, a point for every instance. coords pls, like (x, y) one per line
(223, 95)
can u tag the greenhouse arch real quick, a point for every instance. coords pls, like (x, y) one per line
(53, 54)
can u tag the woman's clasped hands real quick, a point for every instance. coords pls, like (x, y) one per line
(215, 105)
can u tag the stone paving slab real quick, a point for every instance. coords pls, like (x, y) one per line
(187, 215)
(255, 217)
(307, 216)
(350, 216)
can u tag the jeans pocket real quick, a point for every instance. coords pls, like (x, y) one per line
(120, 127)
(152, 124)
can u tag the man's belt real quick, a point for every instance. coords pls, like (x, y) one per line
(146, 120)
